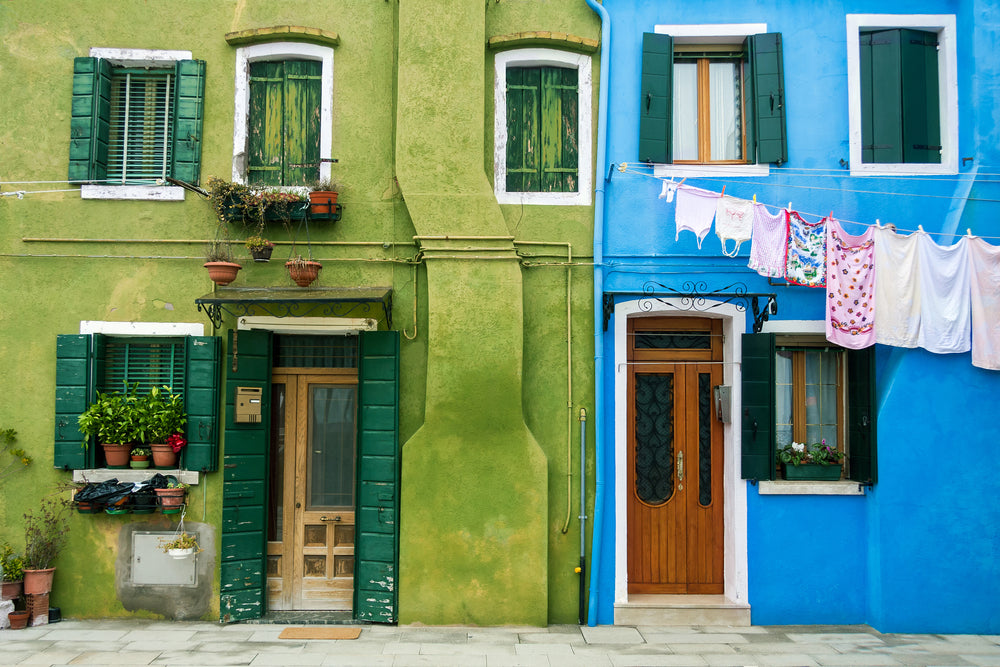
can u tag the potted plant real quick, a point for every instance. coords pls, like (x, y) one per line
(45, 533)
(219, 261)
(232, 201)
(323, 198)
(160, 421)
(279, 205)
(818, 461)
(260, 248)
(110, 419)
(172, 497)
(11, 572)
(303, 271)
(181, 546)
(140, 457)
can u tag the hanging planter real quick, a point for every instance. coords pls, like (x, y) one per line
(260, 248)
(303, 271)
(222, 273)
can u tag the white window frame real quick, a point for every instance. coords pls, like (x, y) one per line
(281, 51)
(539, 57)
(944, 25)
(718, 33)
(150, 59)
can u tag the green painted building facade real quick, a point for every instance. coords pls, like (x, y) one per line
(446, 341)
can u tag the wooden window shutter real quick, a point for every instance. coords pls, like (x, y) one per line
(377, 522)
(768, 92)
(558, 128)
(861, 413)
(89, 120)
(758, 419)
(243, 590)
(73, 392)
(920, 111)
(656, 103)
(524, 168)
(202, 356)
(303, 93)
(264, 132)
(881, 101)
(189, 113)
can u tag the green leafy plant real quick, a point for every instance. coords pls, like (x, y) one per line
(19, 457)
(111, 418)
(158, 415)
(798, 453)
(141, 451)
(256, 243)
(182, 541)
(176, 485)
(11, 564)
(219, 251)
(46, 529)
(232, 200)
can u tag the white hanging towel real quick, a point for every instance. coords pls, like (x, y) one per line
(897, 288)
(945, 306)
(733, 221)
(694, 211)
(984, 272)
(769, 244)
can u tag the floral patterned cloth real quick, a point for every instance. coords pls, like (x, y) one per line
(850, 287)
(805, 263)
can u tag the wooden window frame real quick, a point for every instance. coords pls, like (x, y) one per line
(799, 421)
(705, 108)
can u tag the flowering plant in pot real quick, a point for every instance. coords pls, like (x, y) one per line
(816, 461)
(260, 248)
(46, 529)
(181, 546)
(160, 424)
(11, 572)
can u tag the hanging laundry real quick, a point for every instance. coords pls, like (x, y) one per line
(667, 191)
(733, 221)
(694, 211)
(897, 288)
(984, 270)
(769, 242)
(805, 263)
(945, 306)
(850, 287)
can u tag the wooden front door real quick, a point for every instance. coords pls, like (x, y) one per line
(675, 467)
(311, 533)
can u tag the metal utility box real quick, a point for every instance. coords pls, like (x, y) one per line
(152, 566)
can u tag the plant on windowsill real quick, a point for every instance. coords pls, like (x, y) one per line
(277, 205)
(818, 461)
(111, 420)
(219, 262)
(233, 201)
(181, 546)
(323, 199)
(303, 271)
(140, 457)
(260, 248)
(160, 420)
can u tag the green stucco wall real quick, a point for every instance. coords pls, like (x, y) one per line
(484, 390)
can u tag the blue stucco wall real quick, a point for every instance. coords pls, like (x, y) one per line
(919, 552)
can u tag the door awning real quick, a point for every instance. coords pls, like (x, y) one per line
(297, 302)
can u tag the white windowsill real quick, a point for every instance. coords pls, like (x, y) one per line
(786, 488)
(189, 477)
(710, 170)
(142, 192)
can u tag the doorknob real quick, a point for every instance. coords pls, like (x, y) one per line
(326, 518)
(680, 466)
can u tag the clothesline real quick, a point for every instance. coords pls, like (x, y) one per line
(843, 173)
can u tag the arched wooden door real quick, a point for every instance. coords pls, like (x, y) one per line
(675, 452)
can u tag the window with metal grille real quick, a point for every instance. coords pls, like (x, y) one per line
(298, 351)
(141, 132)
(144, 362)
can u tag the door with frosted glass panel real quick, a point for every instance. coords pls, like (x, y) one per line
(311, 533)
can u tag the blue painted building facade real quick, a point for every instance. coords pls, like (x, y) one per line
(911, 544)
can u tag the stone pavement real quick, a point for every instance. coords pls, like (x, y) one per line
(149, 642)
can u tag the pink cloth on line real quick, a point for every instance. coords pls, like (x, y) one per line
(984, 273)
(850, 287)
(769, 242)
(695, 210)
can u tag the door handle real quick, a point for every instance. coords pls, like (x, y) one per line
(680, 466)
(326, 518)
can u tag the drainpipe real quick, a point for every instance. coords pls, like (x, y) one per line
(602, 126)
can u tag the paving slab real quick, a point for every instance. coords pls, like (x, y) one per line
(116, 658)
(353, 660)
(612, 634)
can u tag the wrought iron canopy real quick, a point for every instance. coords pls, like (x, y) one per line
(693, 295)
(296, 302)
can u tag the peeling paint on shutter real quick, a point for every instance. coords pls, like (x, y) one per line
(189, 113)
(73, 376)
(201, 402)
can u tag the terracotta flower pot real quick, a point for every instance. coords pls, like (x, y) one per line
(38, 581)
(222, 273)
(303, 273)
(10, 590)
(170, 498)
(18, 620)
(139, 462)
(321, 202)
(116, 456)
(164, 456)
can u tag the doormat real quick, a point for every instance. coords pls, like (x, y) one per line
(317, 632)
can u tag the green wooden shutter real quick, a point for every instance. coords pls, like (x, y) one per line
(920, 110)
(767, 72)
(375, 578)
(881, 100)
(758, 406)
(303, 94)
(189, 113)
(266, 111)
(73, 388)
(524, 168)
(656, 103)
(558, 128)
(201, 402)
(861, 413)
(89, 119)
(243, 588)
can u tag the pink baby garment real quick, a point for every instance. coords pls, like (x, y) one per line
(694, 212)
(769, 242)
(945, 307)
(850, 287)
(897, 288)
(733, 221)
(984, 272)
(805, 263)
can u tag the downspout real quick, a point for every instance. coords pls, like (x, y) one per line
(599, 180)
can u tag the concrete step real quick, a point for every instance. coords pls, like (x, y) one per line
(682, 610)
